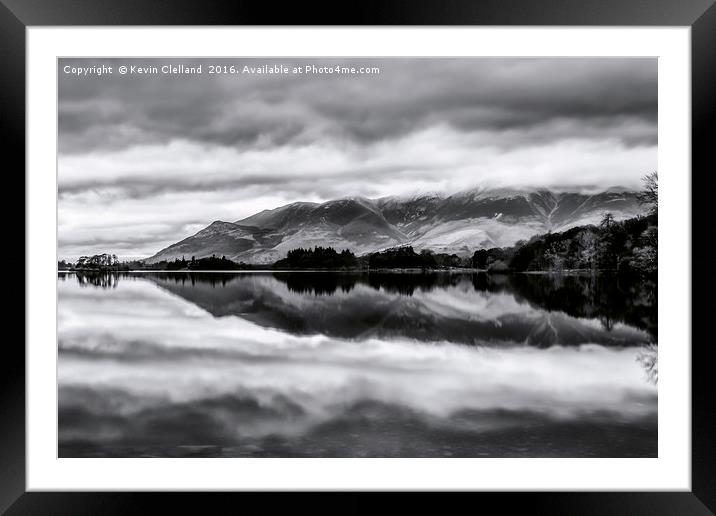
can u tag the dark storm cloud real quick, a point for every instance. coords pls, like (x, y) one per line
(114, 111)
(302, 185)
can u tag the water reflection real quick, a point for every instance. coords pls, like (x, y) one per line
(102, 279)
(649, 359)
(297, 364)
(611, 300)
(465, 308)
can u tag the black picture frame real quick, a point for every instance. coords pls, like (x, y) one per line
(700, 15)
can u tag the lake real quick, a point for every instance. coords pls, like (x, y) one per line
(318, 364)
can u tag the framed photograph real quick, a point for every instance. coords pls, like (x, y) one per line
(435, 250)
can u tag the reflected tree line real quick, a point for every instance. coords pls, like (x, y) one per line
(610, 298)
(102, 279)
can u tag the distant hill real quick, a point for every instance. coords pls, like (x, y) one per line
(456, 224)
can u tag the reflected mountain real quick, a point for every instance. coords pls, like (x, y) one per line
(537, 310)
(534, 309)
(351, 365)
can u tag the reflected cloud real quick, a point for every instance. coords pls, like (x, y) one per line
(146, 369)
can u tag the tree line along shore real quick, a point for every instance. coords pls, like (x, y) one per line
(627, 246)
(622, 246)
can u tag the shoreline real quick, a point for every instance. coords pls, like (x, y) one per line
(462, 270)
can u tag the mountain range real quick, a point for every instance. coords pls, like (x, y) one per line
(460, 223)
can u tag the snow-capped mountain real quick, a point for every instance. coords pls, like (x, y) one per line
(459, 223)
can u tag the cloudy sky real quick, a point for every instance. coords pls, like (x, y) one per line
(146, 160)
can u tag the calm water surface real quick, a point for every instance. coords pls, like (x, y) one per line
(352, 365)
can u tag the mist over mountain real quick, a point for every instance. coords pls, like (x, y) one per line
(460, 223)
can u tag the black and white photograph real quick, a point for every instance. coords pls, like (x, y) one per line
(356, 257)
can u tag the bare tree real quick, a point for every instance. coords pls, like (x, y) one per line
(649, 196)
